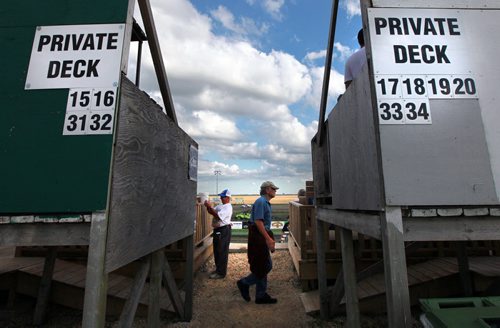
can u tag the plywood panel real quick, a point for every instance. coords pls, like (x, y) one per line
(445, 163)
(353, 149)
(41, 170)
(152, 199)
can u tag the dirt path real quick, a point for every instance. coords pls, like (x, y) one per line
(217, 303)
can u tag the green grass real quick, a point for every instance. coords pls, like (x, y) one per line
(280, 212)
(244, 232)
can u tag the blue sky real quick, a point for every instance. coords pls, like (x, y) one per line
(246, 79)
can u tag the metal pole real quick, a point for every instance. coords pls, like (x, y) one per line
(326, 73)
(217, 173)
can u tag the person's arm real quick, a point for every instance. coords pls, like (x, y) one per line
(216, 221)
(211, 210)
(262, 229)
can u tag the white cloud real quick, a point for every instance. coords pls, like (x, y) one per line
(210, 125)
(336, 87)
(233, 98)
(312, 56)
(352, 7)
(343, 51)
(273, 7)
(246, 27)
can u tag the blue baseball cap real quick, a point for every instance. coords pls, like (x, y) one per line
(225, 193)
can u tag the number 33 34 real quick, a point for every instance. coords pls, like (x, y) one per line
(415, 111)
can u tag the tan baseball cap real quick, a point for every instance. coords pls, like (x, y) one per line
(268, 184)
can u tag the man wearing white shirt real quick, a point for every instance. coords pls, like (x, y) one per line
(356, 62)
(222, 233)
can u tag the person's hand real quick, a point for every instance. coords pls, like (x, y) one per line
(271, 244)
(206, 203)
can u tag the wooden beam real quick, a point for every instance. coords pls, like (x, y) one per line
(96, 280)
(437, 228)
(130, 307)
(172, 290)
(154, 289)
(367, 224)
(154, 46)
(48, 234)
(336, 293)
(452, 228)
(396, 277)
(321, 269)
(463, 268)
(350, 283)
(44, 289)
(188, 279)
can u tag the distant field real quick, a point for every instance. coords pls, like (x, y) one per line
(250, 199)
(279, 204)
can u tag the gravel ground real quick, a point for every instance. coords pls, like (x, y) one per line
(217, 303)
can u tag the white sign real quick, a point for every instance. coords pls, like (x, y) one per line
(419, 54)
(419, 41)
(76, 56)
(237, 225)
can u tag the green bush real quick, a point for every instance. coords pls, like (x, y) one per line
(242, 216)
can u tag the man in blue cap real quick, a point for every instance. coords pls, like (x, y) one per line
(222, 233)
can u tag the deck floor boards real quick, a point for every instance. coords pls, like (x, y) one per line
(418, 274)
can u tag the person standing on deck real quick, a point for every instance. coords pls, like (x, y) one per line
(355, 62)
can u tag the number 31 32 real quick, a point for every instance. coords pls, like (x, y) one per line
(77, 123)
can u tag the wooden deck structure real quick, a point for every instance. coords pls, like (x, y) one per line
(124, 187)
(374, 169)
(368, 250)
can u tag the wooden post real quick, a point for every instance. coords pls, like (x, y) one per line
(188, 278)
(44, 289)
(130, 307)
(154, 46)
(321, 268)
(463, 268)
(157, 258)
(349, 269)
(172, 290)
(336, 293)
(396, 277)
(96, 281)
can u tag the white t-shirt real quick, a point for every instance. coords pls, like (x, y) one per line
(224, 211)
(354, 64)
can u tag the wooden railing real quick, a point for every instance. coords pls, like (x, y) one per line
(302, 227)
(203, 224)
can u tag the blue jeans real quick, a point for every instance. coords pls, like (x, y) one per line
(260, 284)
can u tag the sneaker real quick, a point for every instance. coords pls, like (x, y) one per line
(215, 275)
(244, 290)
(266, 299)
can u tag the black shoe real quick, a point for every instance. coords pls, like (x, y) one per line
(266, 299)
(244, 290)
